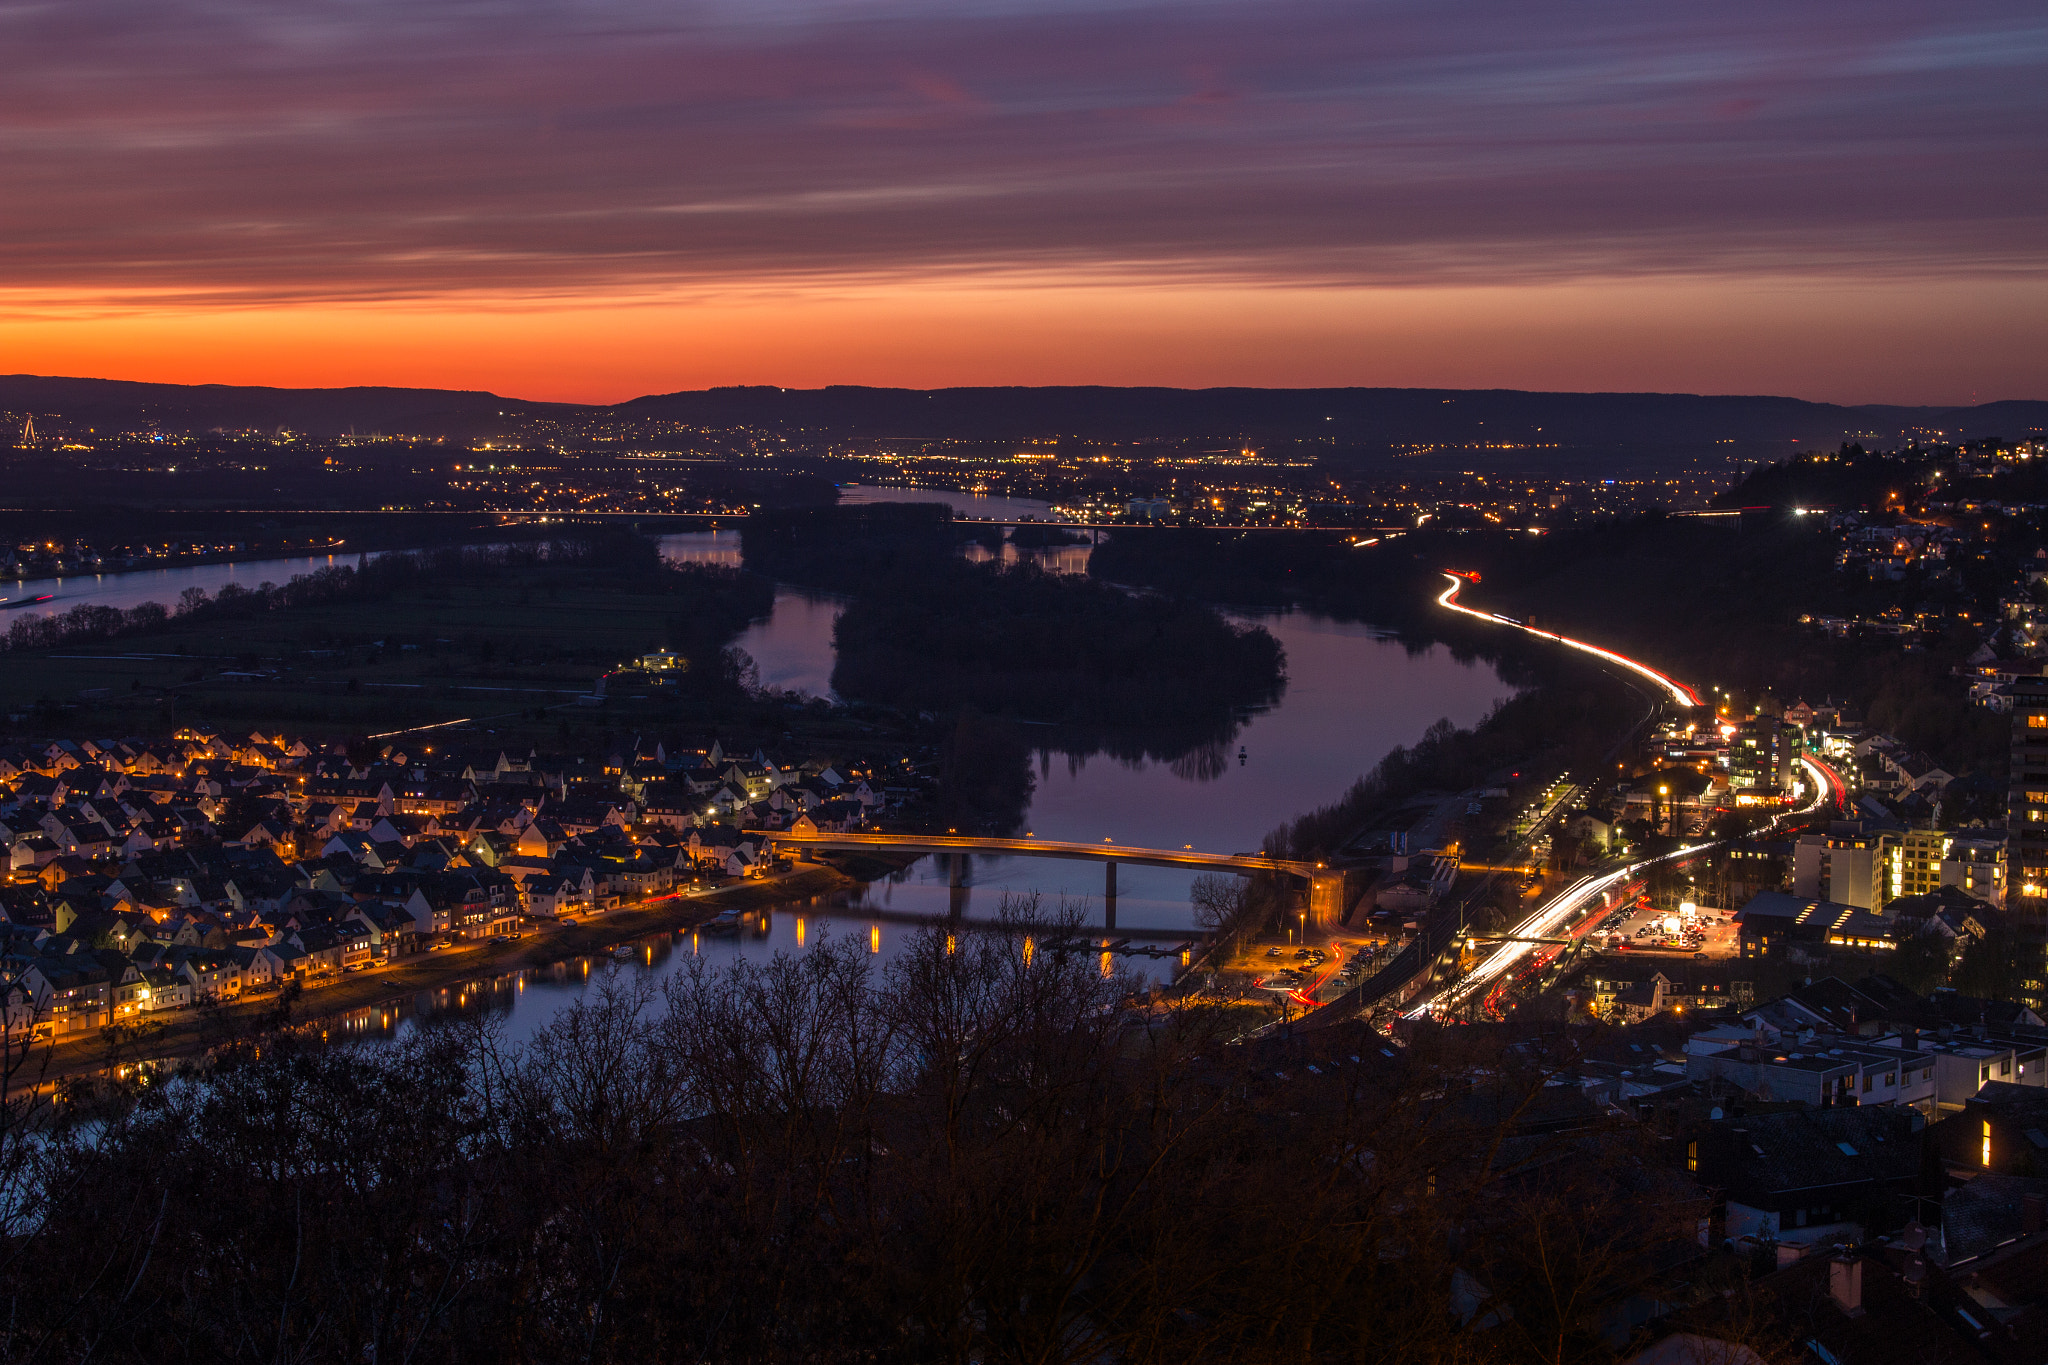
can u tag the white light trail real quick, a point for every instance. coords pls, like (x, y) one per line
(1550, 917)
(417, 729)
(1556, 912)
(1563, 907)
(1678, 691)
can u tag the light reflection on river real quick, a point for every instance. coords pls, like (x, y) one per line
(132, 589)
(1351, 696)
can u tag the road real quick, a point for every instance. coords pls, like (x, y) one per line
(1518, 857)
(1677, 691)
(1838, 790)
(1556, 914)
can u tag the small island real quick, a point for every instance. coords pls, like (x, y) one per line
(1020, 642)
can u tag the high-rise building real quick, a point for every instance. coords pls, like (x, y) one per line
(1917, 870)
(1859, 869)
(1763, 754)
(2026, 841)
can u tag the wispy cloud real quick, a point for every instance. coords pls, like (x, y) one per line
(350, 149)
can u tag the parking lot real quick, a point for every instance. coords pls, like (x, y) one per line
(1711, 931)
(1327, 969)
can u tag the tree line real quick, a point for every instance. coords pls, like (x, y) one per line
(1700, 599)
(978, 1152)
(925, 631)
(721, 600)
(1016, 640)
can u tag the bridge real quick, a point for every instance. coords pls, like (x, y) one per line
(1325, 885)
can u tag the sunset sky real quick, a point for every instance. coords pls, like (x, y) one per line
(592, 199)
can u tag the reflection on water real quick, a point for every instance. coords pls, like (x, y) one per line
(131, 589)
(974, 506)
(525, 1000)
(1353, 694)
(1204, 763)
(1051, 558)
(702, 547)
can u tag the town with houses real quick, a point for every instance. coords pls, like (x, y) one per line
(1821, 985)
(150, 876)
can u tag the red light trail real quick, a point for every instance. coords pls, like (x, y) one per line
(1678, 691)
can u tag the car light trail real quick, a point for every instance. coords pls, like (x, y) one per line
(1827, 779)
(1554, 913)
(1548, 918)
(1678, 691)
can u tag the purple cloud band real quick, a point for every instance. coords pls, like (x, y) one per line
(379, 148)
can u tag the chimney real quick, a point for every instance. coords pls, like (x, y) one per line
(2033, 1213)
(1909, 1039)
(1845, 1284)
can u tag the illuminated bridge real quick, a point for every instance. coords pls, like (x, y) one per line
(1325, 885)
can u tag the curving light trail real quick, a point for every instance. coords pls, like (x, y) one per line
(1678, 691)
(1555, 913)
(1551, 916)
(1828, 781)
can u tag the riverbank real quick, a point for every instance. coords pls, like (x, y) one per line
(186, 1035)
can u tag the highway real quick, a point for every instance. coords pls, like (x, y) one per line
(1555, 914)
(1677, 691)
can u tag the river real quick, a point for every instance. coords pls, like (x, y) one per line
(132, 589)
(1352, 694)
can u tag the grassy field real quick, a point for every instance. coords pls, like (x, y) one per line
(527, 639)
(513, 652)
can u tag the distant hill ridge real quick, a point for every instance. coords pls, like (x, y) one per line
(1349, 418)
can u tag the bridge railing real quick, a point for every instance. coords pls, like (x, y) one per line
(1248, 864)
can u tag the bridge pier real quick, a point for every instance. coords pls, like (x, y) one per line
(1326, 899)
(1326, 894)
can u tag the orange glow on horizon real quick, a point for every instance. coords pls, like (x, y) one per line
(1904, 342)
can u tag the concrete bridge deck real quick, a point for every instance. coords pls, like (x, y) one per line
(1244, 864)
(1325, 885)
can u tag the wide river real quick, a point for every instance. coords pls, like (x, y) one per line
(1351, 696)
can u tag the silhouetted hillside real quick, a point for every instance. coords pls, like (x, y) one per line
(1619, 427)
(319, 412)
(1347, 418)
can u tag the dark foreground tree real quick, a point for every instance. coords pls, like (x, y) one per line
(986, 1151)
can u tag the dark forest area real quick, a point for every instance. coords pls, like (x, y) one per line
(1018, 641)
(710, 603)
(1699, 598)
(925, 631)
(973, 1154)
